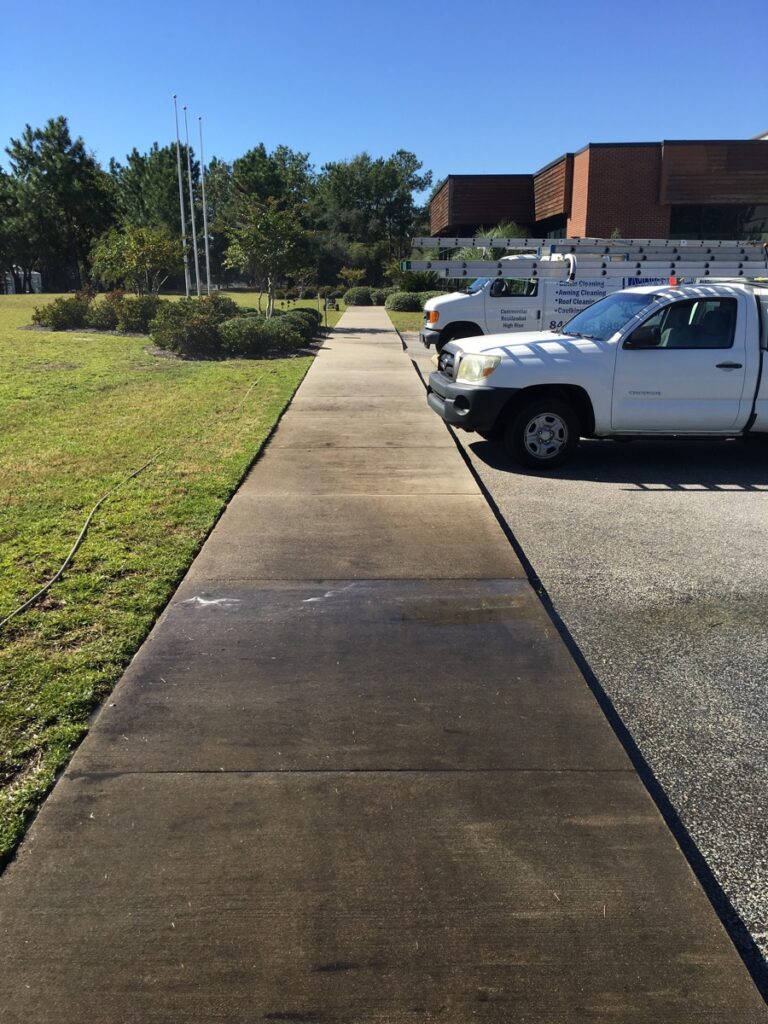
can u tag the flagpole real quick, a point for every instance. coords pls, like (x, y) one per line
(205, 210)
(192, 205)
(181, 200)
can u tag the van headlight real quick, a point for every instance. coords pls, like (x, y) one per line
(475, 369)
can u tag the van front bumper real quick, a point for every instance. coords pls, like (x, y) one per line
(465, 405)
(429, 336)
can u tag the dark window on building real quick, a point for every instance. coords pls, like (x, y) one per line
(552, 227)
(729, 221)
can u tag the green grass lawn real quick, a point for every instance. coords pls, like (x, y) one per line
(79, 411)
(406, 321)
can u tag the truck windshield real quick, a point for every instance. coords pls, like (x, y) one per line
(476, 286)
(601, 320)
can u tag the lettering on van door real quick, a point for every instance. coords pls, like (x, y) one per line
(571, 297)
(511, 304)
(513, 319)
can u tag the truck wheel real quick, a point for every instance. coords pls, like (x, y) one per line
(543, 434)
(496, 433)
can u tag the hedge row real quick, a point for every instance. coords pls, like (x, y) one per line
(215, 326)
(114, 312)
(365, 296)
(409, 302)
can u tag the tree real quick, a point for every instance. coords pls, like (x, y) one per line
(283, 175)
(303, 277)
(141, 258)
(58, 201)
(147, 187)
(267, 243)
(351, 276)
(220, 199)
(371, 200)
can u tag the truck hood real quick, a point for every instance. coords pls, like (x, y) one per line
(526, 343)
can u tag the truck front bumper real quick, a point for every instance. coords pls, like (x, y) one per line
(465, 405)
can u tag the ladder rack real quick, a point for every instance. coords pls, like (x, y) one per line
(636, 247)
(584, 259)
(578, 270)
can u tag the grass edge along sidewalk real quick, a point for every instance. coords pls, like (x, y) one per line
(78, 412)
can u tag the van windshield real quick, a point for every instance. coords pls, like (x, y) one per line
(476, 286)
(602, 319)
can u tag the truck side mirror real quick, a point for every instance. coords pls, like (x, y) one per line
(644, 337)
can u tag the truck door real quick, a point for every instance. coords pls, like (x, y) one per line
(682, 370)
(512, 304)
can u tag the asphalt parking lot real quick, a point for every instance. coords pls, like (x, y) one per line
(655, 557)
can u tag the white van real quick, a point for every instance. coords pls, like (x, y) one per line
(495, 305)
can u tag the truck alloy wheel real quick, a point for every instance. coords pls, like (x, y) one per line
(543, 434)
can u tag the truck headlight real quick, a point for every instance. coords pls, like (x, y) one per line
(474, 369)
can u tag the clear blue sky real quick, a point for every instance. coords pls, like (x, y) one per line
(498, 87)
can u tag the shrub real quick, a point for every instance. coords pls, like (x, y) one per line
(220, 307)
(63, 313)
(326, 291)
(404, 302)
(360, 296)
(303, 323)
(279, 293)
(104, 313)
(187, 327)
(292, 293)
(378, 296)
(281, 335)
(310, 293)
(417, 280)
(136, 312)
(315, 315)
(243, 336)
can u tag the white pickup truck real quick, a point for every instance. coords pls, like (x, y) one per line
(674, 361)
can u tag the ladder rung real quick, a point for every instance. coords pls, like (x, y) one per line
(599, 245)
(589, 269)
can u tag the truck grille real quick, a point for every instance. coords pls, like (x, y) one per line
(446, 363)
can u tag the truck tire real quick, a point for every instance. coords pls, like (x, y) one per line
(460, 331)
(543, 434)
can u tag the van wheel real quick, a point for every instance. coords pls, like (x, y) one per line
(543, 434)
(462, 331)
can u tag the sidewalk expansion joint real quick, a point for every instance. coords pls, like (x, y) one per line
(118, 773)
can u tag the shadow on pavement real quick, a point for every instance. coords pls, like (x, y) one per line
(358, 330)
(694, 466)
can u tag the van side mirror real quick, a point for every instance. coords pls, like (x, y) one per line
(644, 337)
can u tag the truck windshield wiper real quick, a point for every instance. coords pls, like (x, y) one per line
(578, 334)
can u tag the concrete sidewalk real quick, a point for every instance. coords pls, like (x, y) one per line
(354, 775)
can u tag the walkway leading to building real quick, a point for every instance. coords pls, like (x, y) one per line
(354, 776)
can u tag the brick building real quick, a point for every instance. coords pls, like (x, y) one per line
(707, 189)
